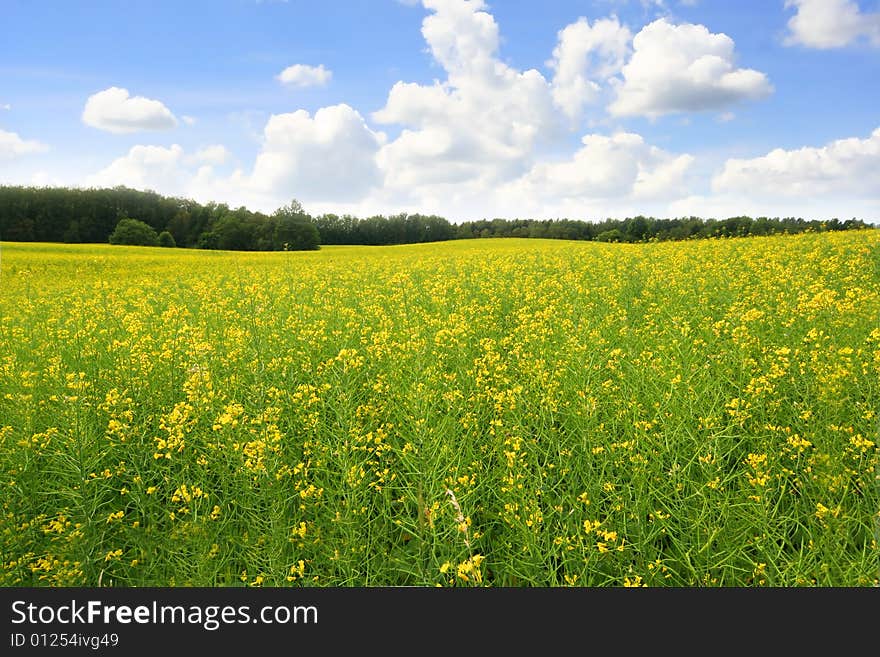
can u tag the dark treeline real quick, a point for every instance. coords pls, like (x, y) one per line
(376, 230)
(644, 229)
(58, 214)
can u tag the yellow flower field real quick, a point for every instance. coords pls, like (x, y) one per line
(475, 413)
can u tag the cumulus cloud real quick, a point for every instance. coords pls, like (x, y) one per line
(144, 167)
(13, 146)
(330, 156)
(302, 75)
(620, 166)
(476, 128)
(608, 175)
(683, 68)
(830, 24)
(44, 179)
(114, 110)
(849, 167)
(722, 206)
(170, 170)
(473, 142)
(214, 154)
(583, 54)
(840, 179)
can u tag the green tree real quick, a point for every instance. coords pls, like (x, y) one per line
(166, 239)
(233, 234)
(72, 234)
(296, 235)
(294, 229)
(134, 232)
(613, 235)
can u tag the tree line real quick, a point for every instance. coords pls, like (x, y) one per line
(126, 216)
(647, 229)
(74, 215)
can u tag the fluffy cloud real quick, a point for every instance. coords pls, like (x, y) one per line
(585, 52)
(470, 144)
(606, 176)
(620, 166)
(840, 179)
(114, 110)
(473, 143)
(722, 206)
(330, 156)
(170, 170)
(478, 127)
(478, 142)
(846, 167)
(302, 75)
(214, 154)
(683, 68)
(13, 146)
(830, 24)
(461, 36)
(144, 167)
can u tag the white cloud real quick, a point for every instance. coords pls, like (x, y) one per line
(683, 68)
(144, 167)
(115, 111)
(214, 154)
(477, 128)
(722, 206)
(477, 142)
(583, 54)
(188, 120)
(6, 106)
(302, 75)
(171, 171)
(608, 176)
(330, 156)
(840, 179)
(461, 36)
(472, 144)
(846, 167)
(13, 146)
(662, 175)
(620, 166)
(45, 179)
(830, 24)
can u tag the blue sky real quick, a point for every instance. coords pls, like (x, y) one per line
(466, 108)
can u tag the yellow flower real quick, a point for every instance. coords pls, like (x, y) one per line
(591, 526)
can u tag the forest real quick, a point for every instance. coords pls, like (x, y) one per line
(75, 215)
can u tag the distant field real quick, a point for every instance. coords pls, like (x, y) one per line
(485, 412)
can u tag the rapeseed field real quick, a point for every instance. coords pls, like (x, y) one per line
(493, 412)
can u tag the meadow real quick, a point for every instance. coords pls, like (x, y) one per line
(494, 412)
